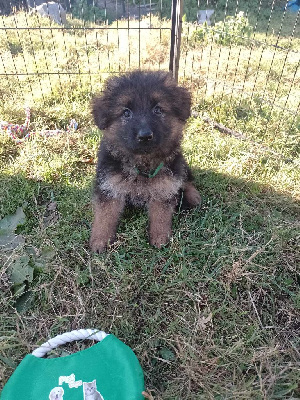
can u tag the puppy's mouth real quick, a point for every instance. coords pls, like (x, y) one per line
(145, 148)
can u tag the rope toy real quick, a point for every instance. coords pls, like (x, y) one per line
(20, 133)
(81, 334)
(108, 370)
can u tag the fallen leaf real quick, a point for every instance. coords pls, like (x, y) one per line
(24, 302)
(10, 222)
(20, 270)
(8, 239)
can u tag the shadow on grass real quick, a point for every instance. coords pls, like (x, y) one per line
(213, 311)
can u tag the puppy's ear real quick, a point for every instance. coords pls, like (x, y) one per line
(182, 103)
(104, 106)
(100, 113)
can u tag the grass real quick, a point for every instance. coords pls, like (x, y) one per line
(214, 315)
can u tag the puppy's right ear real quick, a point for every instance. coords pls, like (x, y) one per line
(99, 110)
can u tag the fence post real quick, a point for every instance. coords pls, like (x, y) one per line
(176, 18)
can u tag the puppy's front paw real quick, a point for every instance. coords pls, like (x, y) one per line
(160, 226)
(159, 240)
(99, 244)
(105, 223)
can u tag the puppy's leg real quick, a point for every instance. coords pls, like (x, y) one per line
(160, 222)
(106, 217)
(191, 196)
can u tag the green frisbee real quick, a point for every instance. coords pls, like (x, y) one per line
(108, 370)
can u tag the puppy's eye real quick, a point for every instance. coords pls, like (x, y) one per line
(157, 110)
(127, 113)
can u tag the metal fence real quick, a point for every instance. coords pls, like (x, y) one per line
(118, 39)
(245, 51)
(268, 58)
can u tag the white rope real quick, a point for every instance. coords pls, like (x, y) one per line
(81, 334)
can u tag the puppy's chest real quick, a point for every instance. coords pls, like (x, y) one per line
(139, 189)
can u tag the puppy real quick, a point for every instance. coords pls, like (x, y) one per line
(140, 162)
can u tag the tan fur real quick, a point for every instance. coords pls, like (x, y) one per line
(141, 190)
(160, 222)
(106, 217)
(191, 194)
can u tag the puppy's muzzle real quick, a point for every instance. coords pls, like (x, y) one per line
(145, 135)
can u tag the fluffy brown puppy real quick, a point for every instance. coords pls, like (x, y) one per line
(140, 161)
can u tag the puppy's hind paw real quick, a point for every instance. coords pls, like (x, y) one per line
(191, 196)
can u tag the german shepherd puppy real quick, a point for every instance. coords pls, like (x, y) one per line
(140, 162)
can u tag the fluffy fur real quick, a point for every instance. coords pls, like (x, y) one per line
(142, 115)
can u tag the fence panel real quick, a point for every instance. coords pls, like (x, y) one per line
(242, 63)
(41, 56)
(245, 59)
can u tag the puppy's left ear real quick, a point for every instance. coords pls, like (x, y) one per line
(182, 103)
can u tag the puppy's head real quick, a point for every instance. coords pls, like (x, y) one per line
(56, 393)
(142, 112)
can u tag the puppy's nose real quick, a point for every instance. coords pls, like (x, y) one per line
(145, 135)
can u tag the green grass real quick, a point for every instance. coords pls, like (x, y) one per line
(213, 315)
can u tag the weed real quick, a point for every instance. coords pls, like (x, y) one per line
(81, 9)
(234, 30)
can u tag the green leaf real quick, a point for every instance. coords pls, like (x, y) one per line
(47, 253)
(283, 392)
(167, 354)
(20, 271)
(10, 241)
(19, 289)
(83, 277)
(8, 225)
(9, 362)
(24, 302)
(10, 222)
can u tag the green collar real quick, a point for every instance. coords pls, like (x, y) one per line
(152, 173)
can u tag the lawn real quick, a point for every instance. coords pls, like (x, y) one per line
(216, 313)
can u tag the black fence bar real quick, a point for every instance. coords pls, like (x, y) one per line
(176, 17)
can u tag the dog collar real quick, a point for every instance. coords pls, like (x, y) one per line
(150, 174)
